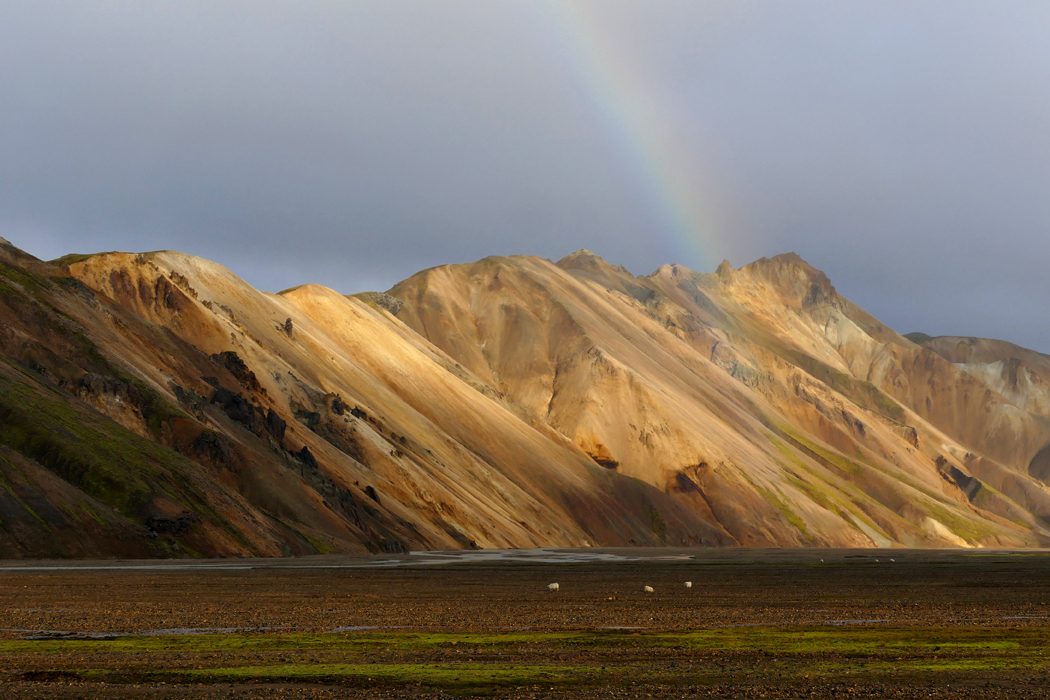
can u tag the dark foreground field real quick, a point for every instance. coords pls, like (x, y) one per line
(754, 624)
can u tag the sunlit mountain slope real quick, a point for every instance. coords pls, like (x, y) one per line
(330, 424)
(157, 405)
(774, 406)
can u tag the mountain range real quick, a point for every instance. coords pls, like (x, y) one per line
(156, 405)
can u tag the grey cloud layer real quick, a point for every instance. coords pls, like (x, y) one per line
(902, 147)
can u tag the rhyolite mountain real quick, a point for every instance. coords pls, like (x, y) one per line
(157, 405)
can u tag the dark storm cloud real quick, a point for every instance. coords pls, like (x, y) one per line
(902, 147)
(350, 145)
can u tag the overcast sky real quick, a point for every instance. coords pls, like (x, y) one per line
(902, 147)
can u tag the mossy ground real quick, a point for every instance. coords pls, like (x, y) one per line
(750, 619)
(578, 659)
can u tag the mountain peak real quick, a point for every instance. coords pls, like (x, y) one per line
(795, 278)
(10, 250)
(783, 262)
(672, 270)
(789, 258)
(606, 409)
(582, 258)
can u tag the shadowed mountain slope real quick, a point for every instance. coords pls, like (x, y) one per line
(156, 405)
(1019, 374)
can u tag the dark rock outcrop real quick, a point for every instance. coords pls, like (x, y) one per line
(307, 457)
(966, 483)
(177, 525)
(233, 364)
(382, 300)
(235, 406)
(275, 425)
(254, 418)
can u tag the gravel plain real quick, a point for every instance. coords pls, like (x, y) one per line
(755, 623)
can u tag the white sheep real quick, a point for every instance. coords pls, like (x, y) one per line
(649, 589)
(553, 587)
(688, 584)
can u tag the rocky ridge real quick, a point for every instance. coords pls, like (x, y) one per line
(156, 405)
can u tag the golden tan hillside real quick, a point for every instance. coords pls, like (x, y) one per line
(776, 408)
(307, 421)
(155, 404)
(1019, 374)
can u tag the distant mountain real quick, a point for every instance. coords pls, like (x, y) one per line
(156, 405)
(1019, 374)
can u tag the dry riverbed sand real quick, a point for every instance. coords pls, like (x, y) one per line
(755, 623)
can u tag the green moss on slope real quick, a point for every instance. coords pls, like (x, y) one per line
(824, 497)
(41, 312)
(936, 506)
(73, 258)
(77, 447)
(864, 394)
(94, 454)
(777, 502)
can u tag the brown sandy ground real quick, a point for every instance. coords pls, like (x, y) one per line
(767, 624)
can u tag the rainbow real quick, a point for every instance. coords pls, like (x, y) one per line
(646, 126)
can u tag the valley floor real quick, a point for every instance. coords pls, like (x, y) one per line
(755, 623)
